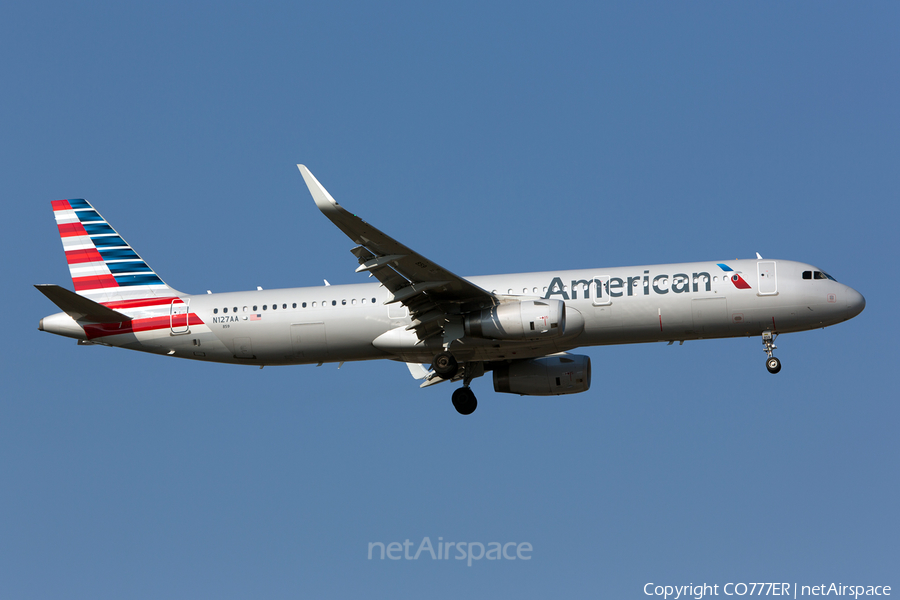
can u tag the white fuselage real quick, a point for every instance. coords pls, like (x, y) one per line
(618, 305)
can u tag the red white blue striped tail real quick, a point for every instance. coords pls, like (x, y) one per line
(103, 266)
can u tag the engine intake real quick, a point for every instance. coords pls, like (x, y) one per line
(526, 320)
(546, 376)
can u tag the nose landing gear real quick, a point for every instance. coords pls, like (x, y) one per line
(772, 363)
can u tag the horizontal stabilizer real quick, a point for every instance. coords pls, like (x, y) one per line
(80, 308)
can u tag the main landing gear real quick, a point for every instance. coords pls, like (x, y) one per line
(446, 367)
(772, 363)
(464, 401)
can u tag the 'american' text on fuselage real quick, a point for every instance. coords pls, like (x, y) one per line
(616, 287)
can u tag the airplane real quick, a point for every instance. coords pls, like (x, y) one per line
(520, 327)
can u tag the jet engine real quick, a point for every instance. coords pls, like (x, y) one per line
(546, 376)
(526, 320)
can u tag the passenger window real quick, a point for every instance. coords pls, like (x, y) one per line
(224, 310)
(245, 309)
(254, 308)
(215, 311)
(303, 305)
(274, 307)
(373, 300)
(807, 274)
(334, 302)
(353, 301)
(295, 305)
(265, 306)
(343, 303)
(313, 304)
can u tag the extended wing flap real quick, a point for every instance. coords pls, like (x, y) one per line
(412, 279)
(418, 371)
(78, 307)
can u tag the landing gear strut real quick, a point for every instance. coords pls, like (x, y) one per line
(768, 340)
(464, 401)
(446, 367)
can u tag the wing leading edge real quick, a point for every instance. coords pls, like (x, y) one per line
(433, 295)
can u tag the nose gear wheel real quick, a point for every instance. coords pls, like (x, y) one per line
(772, 363)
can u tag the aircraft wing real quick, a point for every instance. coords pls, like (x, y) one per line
(431, 292)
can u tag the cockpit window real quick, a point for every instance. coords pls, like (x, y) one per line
(817, 275)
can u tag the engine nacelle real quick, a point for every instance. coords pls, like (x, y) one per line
(526, 320)
(546, 376)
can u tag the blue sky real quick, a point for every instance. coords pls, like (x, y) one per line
(491, 138)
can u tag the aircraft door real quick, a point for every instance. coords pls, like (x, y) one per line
(602, 313)
(396, 310)
(600, 291)
(178, 317)
(768, 284)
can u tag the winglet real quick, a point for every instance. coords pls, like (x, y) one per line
(323, 199)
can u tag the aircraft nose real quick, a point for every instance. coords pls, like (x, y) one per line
(855, 303)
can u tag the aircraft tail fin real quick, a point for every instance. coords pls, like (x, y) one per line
(103, 266)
